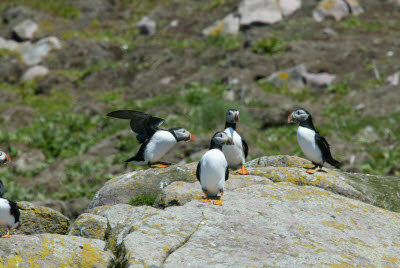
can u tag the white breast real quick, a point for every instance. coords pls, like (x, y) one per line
(234, 153)
(6, 219)
(212, 172)
(161, 142)
(306, 139)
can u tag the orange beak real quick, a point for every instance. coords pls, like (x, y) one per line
(191, 138)
(237, 117)
(8, 157)
(289, 119)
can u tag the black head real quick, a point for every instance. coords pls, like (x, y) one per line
(299, 115)
(4, 158)
(232, 116)
(219, 139)
(181, 134)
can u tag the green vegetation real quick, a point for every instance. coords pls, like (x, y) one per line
(60, 8)
(268, 46)
(143, 200)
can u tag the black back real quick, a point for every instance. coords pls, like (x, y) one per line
(226, 174)
(232, 125)
(14, 210)
(141, 123)
(308, 123)
(198, 171)
(1, 188)
(323, 145)
(140, 154)
(245, 148)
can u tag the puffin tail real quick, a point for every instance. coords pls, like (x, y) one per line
(333, 162)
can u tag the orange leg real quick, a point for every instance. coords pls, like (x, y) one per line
(162, 163)
(205, 200)
(159, 164)
(243, 171)
(8, 233)
(219, 202)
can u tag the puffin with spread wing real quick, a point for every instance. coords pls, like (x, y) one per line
(156, 142)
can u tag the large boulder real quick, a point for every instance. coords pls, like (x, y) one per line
(122, 189)
(51, 250)
(278, 215)
(39, 220)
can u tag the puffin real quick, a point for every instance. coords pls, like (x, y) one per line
(314, 145)
(235, 154)
(9, 215)
(212, 170)
(4, 159)
(156, 142)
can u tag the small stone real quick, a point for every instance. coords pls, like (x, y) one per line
(355, 7)
(8, 44)
(28, 161)
(25, 30)
(319, 79)
(330, 31)
(390, 53)
(167, 80)
(147, 26)
(228, 25)
(174, 23)
(259, 11)
(393, 80)
(337, 9)
(34, 53)
(292, 77)
(34, 72)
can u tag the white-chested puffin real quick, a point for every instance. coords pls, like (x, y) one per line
(212, 170)
(155, 142)
(235, 154)
(9, 215)
(4, 159)
(314, 145)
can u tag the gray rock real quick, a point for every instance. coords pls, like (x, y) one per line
(8, 44)
(355, 7)
(298, 77)
(289, 6)
(89, 226)
(122, 189)
(228, 25)
(38, 220)
(25, 30)
(338, 9)
(50, 250)
(259, 11)
(147, 26)
(34, 72)
(34, 53)
(29, 160)
(393, 80)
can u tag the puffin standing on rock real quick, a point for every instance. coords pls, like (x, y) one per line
(235, 154)
(314, 145)
(212, 170)
(155, 142)
(9, 215)
(9, 212)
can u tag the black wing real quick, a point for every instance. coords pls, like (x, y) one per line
(14, 210)
(141, 123)
(1, 188)
(226, 174)
(245, 148)
(325, 149)
(198, 171)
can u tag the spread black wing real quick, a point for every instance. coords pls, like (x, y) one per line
(245, 148)
(226, 174)
(323, 145)
(141, 123)
(198, 171)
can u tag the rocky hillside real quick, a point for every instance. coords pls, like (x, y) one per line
(65, 64)
(277, 216)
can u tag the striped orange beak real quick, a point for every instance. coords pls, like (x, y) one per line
(237, 118)
(289, 119)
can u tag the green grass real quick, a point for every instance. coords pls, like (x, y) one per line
(143, 200)
(60, 8)
(268, 46)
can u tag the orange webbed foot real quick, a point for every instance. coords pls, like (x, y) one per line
(159, 166)
(218, 202)
(310, 171)
(243, 171)
(205, 200)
